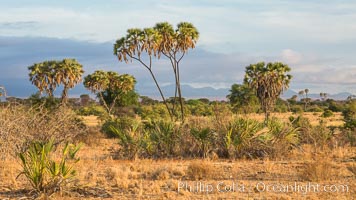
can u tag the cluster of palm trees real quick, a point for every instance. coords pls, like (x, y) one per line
(49, 75)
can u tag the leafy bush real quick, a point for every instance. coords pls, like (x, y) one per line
(129, 139)
(204, 136)
(350, 115)
(120, 124)
(241, 135)
(297, 109)
(92, 110)
(327, 113)
(45, 174)
(164, 135)
(280, 137)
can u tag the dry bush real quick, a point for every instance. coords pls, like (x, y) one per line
(19, 125)
(352, 169)
(319, 169)
(198, 170)
(161, 174)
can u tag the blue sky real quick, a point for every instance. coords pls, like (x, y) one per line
(316, 39)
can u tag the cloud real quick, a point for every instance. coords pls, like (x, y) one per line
(19, 25)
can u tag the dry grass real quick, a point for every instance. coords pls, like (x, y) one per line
(314, 117)
(91, 120)
(200, 170)
(100, 176)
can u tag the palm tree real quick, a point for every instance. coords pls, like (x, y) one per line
(306, 99)
(323, 96)
(269, 81)
(69, 73)
(101, 81)
(42, 76)
(160, 40)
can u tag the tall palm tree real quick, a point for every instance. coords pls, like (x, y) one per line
(269, 81)
(69, 73)
(159, 40)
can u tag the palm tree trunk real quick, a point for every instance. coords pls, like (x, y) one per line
(65, 95)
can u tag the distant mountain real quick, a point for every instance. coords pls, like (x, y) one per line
(218, 94)
(339, 96)
(187, 92)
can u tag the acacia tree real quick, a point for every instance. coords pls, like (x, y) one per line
(101, 81)
(143, 45)
(48, 75)
(269, 81)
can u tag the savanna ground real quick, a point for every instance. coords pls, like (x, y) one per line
(319, 174)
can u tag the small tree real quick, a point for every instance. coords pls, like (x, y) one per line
(242, 97)
(101, 81)
(269, 81)
(154, 42)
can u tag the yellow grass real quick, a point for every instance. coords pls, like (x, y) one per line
(100, 176)
(314, 117)
(91, 120)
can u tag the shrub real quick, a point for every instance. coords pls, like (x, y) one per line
(200, 170)
(297, 109)
(129, 139)
(45, 174)
(242, 136)
(92, 110)
(327, 113)
(319, 169)
(21, 124)
(120, 124)
(280, 137)
(204, 137)
(164, 135)
(350, 115)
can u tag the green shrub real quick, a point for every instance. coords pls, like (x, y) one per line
(121, 124)
(242, 136)
(204, 137)
(45, 174)
(129, 139)
(350, 115)
(297, 109)
(327, 113)
(164, 134)
(92, 110)
(280, 137)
